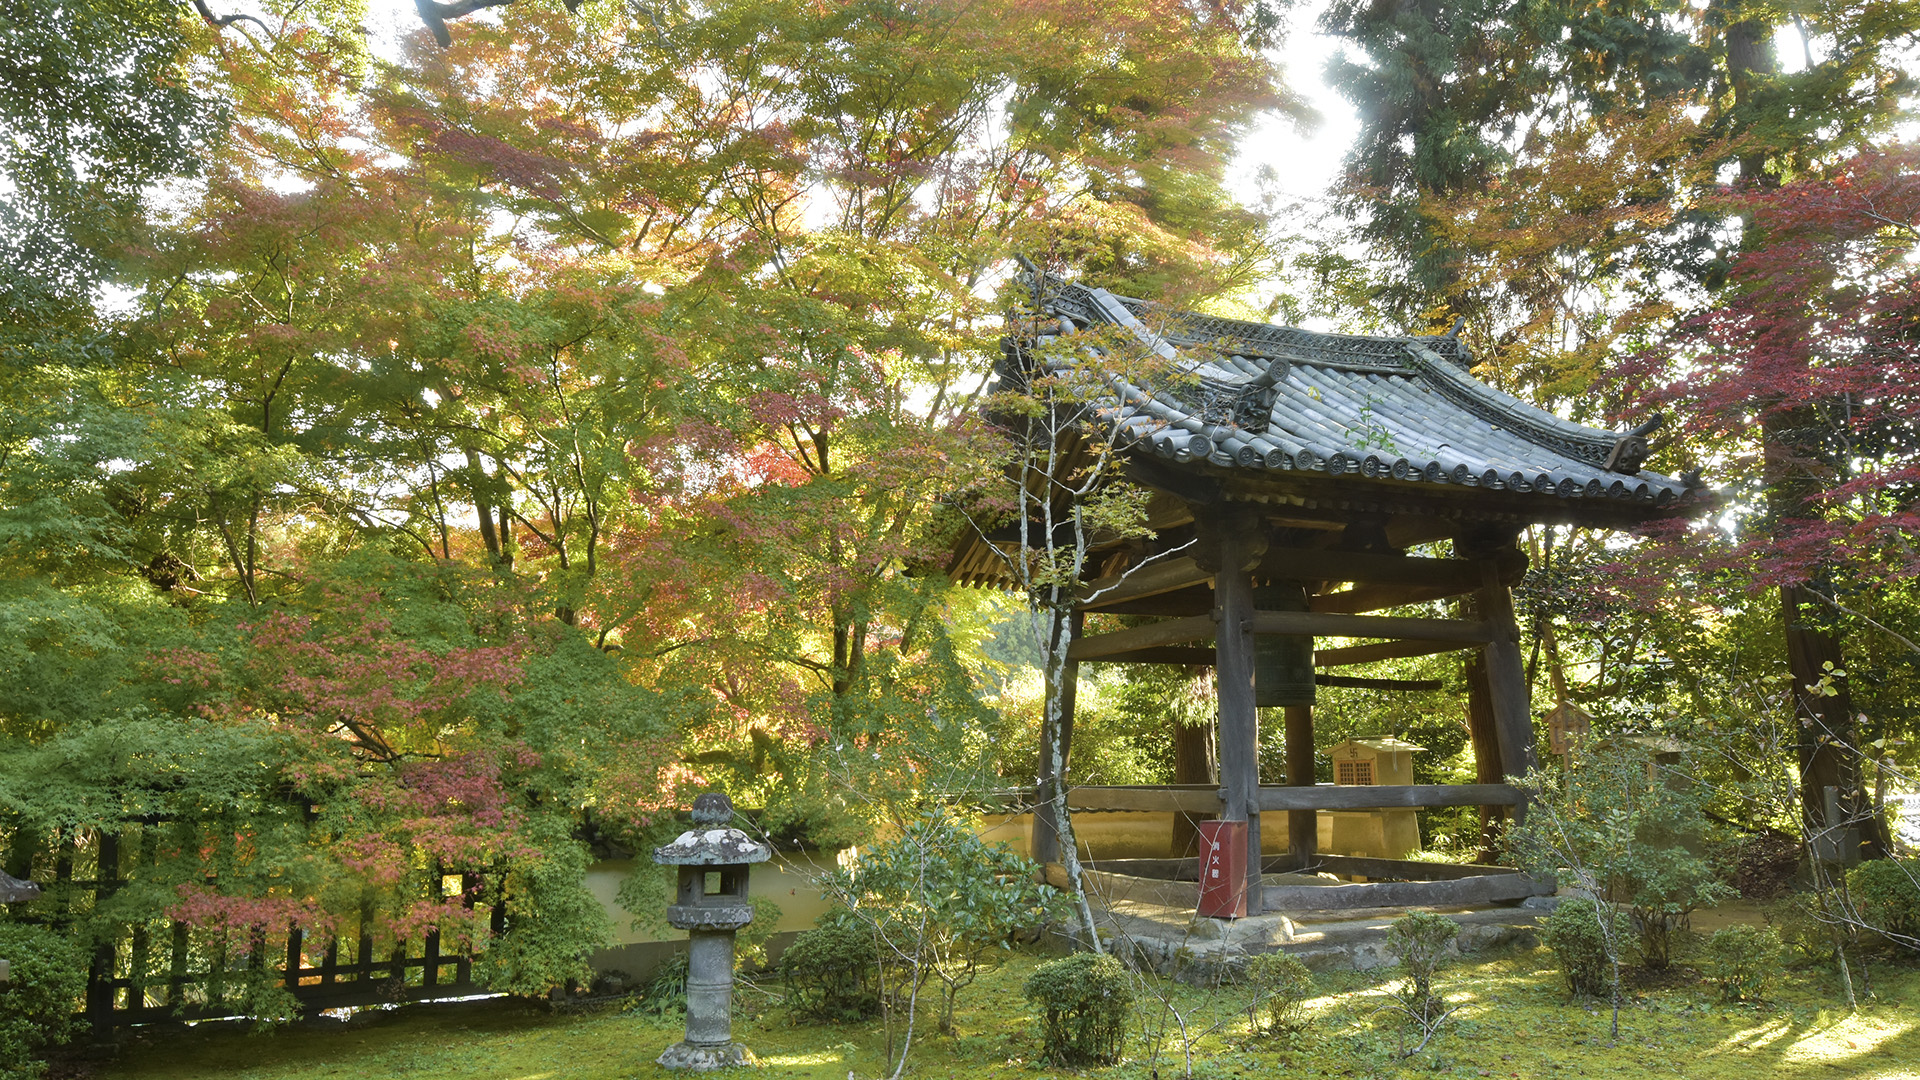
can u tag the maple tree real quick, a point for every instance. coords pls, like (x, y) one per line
(459, 474)
(1555, 174)
(1814, 352)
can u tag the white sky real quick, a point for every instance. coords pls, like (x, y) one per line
(1305, 161)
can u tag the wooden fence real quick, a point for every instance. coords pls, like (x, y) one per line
(143, 971)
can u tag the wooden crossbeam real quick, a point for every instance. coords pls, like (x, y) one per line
(1322, 564)
(1188, 799)
(1326, 624)
(1377, 684)
(1152, 579)
(1206, 798)
(1384, 580)
(1131, 642)
(1406, 869)
(1187, 869)
(1190, 656)
(1386, 650)
(1177, 655)
(1386, 796)
(1164, 632)
(1192, 600)
(1461, 892)
(1365, 598)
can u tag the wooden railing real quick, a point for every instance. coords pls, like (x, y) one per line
(157, 969)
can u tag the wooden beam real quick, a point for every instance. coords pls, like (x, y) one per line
(1463, 892)
(1386, 650)
(1180, 798)
(1188, 869)
(1164, 576)
(1177, 655)
(1403, 869)
(1508, 692)
(1165, 632)
(1364, 598)
(1385, 796)
(1378, 684)
(1318, 624)
(1325, 564)
(1192, 600)
(1486, 751)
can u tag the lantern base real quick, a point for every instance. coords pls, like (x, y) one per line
(686, 1055)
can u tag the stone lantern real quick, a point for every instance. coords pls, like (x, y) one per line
(711, 906)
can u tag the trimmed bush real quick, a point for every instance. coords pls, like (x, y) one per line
(1888, 892)
(1419, 940)
(49, 973)
(1282, 985)
(1741, 960)
(832, 973)
(1085, 1002)
(1573, 932)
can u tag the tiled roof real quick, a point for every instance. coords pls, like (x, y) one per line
(1251, 396)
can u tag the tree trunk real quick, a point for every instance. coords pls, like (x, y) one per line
(1193, 763)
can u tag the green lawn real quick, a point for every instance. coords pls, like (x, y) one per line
(1517, 1023)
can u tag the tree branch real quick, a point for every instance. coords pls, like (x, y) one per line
(435, 15)
(221, 22)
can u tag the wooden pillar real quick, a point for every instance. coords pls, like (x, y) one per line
(1303, 826)
(1238, 541)
(1508, 693)
(1486, 753)
(1044, 835)
(1509, 698)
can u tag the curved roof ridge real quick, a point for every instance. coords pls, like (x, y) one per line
(1279, 399)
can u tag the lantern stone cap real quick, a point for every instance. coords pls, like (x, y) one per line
(712, 847)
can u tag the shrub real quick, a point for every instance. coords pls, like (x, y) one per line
(49, 973)
(1574, 933)
(832, 973)
(1741, 959)
(1282, 984)
(1418, 940)
(1085, 1002)
(1888, 892)
(1635, 835)
(666, 989)
(941, 904)
(1807, 939)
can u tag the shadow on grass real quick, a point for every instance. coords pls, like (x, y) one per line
(1517, 1021)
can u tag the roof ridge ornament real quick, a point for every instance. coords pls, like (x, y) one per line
(1631, 449)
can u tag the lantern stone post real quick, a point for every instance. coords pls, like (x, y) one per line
(711, 905)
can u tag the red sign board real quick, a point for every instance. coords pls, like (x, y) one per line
(1223, 869)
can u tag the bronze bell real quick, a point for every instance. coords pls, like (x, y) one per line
(1282, 663)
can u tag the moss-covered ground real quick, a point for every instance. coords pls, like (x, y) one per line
(1516, 1021)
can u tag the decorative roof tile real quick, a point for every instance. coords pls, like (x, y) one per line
(1253, 396)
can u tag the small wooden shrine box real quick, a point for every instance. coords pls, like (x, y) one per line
(1378, 834)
